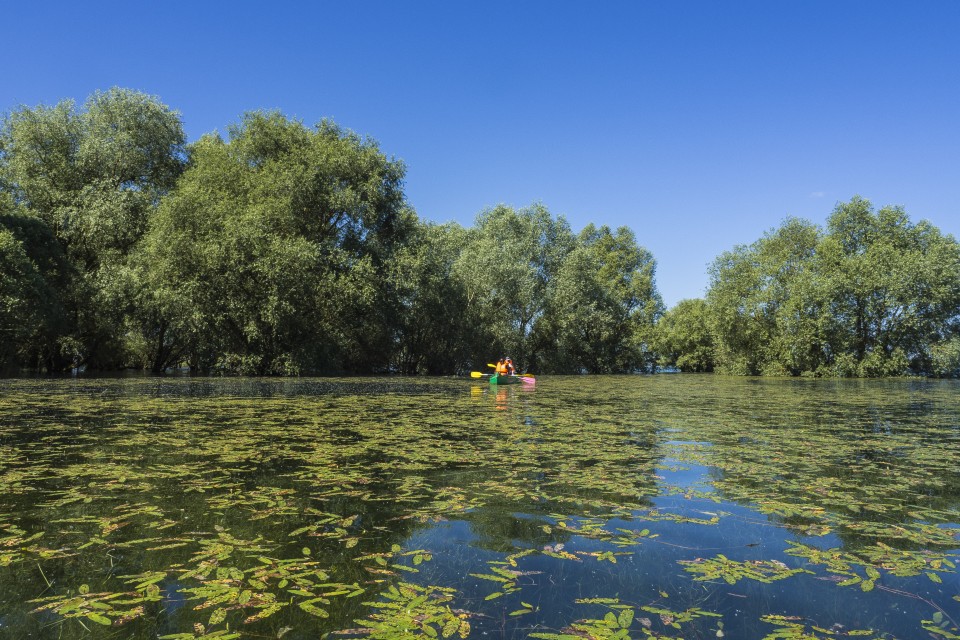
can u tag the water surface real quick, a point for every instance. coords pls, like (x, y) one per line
(582, 507)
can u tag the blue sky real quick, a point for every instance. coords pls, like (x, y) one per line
(699, 125)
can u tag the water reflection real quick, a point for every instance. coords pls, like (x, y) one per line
(501, 394)
(260, 503)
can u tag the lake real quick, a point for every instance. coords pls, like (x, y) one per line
(668, 506)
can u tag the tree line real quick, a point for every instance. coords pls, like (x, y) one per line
(871, 295)
(283, 249)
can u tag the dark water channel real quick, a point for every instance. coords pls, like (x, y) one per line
(581, 507)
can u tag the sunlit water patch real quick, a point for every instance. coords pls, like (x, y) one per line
(583, 507)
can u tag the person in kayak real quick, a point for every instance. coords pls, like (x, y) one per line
(510, 370)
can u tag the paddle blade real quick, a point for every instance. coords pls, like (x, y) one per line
(492, 366)
(476, 374)
(528, 380)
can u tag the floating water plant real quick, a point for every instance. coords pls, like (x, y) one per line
(393, 508)
(731, 571)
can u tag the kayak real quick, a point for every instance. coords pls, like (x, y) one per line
(498, 379)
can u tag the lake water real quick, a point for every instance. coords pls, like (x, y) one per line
(670, 506)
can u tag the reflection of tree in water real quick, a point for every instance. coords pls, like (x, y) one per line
(350, 472)
(575, 460)
(868, 464)
(503, 394)
(265, 468)
(253, 469)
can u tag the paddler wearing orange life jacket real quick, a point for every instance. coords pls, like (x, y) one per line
(505, 367)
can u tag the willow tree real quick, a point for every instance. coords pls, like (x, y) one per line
(872, 295)
(893, 287)
(506, 268)
(684, 337)
(433, 333)
(94, 176)
(272, 254)
(755, 301)
(602, 306)
(32, 275)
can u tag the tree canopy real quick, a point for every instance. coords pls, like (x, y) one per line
(271, 255)
(871, 295)
(92, 177)
(284, 249)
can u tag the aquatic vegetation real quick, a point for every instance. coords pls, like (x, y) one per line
(643, 507)
(100, 608)
(940, 626)
(792, 628)
(616, 624)
(409, 610)
(16, 545)
(731, 571)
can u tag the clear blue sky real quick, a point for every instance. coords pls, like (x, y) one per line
(700, 125)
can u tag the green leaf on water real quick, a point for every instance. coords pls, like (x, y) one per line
(99, 619)
(314, 610)
(218, 616)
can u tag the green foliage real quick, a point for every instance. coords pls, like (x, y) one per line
(287, 249)
(895, 287)
(270, 257)
(507, 266)
(939, 626)
(411, 611)
(871, 296)
(203, 634)
(731, 571)
(94, 177)
(435, 333)
(613, 626)
(616, 624)
(602, 306)
(555, 301)
(684, 339)
(31, 312)
(790, 629)
(102, 608)
(902, 563)
(945, 358)
(750, 288)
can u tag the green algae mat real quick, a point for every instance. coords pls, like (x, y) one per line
(584, 507)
